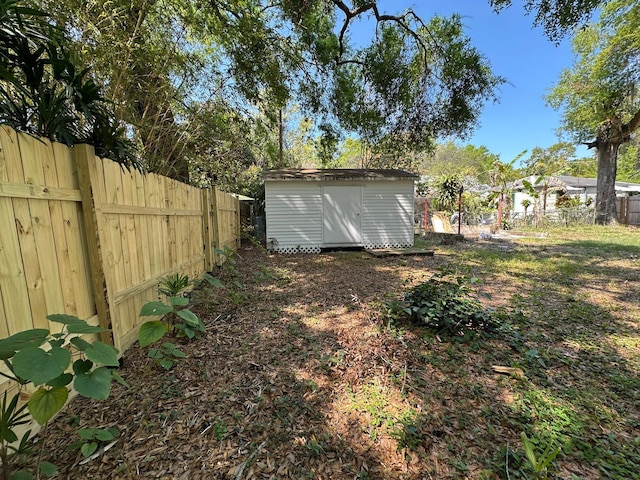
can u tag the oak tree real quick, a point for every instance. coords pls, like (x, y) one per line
(598, 94)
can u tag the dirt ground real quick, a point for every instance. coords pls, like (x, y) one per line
(299, 376)
(263, 394)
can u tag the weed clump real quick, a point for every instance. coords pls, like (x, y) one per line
(447, 304)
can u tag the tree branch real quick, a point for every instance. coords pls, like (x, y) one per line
(632, 126)
(400, 20)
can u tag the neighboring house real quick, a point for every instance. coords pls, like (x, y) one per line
(307, 210)
(583, 188)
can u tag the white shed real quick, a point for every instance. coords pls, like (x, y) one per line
(307, 210)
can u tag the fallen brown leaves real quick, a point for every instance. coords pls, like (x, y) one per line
(302, 380)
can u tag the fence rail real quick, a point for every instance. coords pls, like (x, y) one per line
(83, 236)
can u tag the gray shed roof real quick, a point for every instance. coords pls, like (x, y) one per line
(310, 174)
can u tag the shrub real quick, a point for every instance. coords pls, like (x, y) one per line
(446, 303)
(45, 360)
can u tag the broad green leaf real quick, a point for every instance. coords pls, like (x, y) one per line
(48, 468)
(88, 449)
(95, 384)
(165, 363)
(155, 309)
(178, 301)
(63, 318)
(44, 404)
(22, 475)
(154, 353)
(151, 332)
(105, 435)
(214, 282)
(61, 381)
(82, 366)
(39, 366)
(29, 338)
(189, 317)
(87, 433)
(80, 343)
(103, 354)
(178, 353)
(84, 327)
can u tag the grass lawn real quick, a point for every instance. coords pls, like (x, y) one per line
(304, 374)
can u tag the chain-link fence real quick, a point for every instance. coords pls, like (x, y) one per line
(580, 215)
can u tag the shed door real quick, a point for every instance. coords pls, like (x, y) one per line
(342, 207)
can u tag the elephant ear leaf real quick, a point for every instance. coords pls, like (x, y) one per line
(151, 332)
(38, 366)
(45, 403)
(29, 338)
(95, 384)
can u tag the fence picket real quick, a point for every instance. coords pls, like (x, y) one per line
(80, 235)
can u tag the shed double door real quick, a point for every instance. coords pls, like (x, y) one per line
(342, 222)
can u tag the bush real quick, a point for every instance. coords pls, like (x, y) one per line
(446, 303)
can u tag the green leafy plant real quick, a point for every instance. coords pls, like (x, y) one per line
(408, 432)
(92, 438)
(213, 281)
(165, 354)
(176, 319)
(234, 290)
(175, 285)
(44, 360)
(447, 304)
(539, 464)
(227, 258)
(44, 93)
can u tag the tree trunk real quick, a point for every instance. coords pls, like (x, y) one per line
(606, 210)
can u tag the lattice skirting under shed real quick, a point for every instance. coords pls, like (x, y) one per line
(317, 248)
(374, 246)
(298, 249)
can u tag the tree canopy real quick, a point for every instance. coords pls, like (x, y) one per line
(164, 61)
(44, 91)
(598, 94)
(556, 17)
(198, 87)
(550, 161)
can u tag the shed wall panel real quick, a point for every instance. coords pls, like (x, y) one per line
(294, 216)
(387, 217)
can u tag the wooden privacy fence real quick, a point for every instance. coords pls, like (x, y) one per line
(629, 210)
(83, 236)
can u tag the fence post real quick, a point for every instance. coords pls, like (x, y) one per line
(206, 218)
(84, 156)
(238, 224)
(627, 208)
(216, 221)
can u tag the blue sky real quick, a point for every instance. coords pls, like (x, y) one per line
(517, 51)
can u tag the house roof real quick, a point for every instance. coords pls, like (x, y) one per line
(310, 174)
(572, 183)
